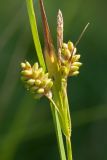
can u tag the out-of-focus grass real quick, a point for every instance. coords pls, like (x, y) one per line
(26, 130)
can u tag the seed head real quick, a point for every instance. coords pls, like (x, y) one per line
(36, 81)
(69, 60)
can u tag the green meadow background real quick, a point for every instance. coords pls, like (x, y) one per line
(26, 126)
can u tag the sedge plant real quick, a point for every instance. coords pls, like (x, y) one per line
(48, 77)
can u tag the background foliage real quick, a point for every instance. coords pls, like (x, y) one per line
(26, 127)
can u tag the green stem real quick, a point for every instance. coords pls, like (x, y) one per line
(69, 149)
(34, 30)
(55, 110)
(58, 133)
(52, 101)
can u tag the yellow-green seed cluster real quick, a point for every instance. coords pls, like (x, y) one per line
(69, 60)
(36, 81)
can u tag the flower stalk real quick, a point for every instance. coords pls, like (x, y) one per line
(69, 149)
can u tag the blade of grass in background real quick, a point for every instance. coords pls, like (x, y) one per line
(11, 71)
(20, 122)
(10, 30)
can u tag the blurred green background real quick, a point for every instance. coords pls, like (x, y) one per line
(26, 126)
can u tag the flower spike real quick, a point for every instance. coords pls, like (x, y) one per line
(69, 60)
(36, 81)
(59, 33)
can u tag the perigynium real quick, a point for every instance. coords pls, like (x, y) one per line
(49, 78)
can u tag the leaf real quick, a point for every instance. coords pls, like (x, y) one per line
(34, 30)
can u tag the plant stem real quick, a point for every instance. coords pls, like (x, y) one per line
(58, 133)
(58, 129)
(34, 30)
(69, 149)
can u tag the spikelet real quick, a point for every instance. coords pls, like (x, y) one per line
(69, 60)
(36, 81)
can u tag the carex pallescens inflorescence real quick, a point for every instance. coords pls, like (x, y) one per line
(36, 80)
(69, 60)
